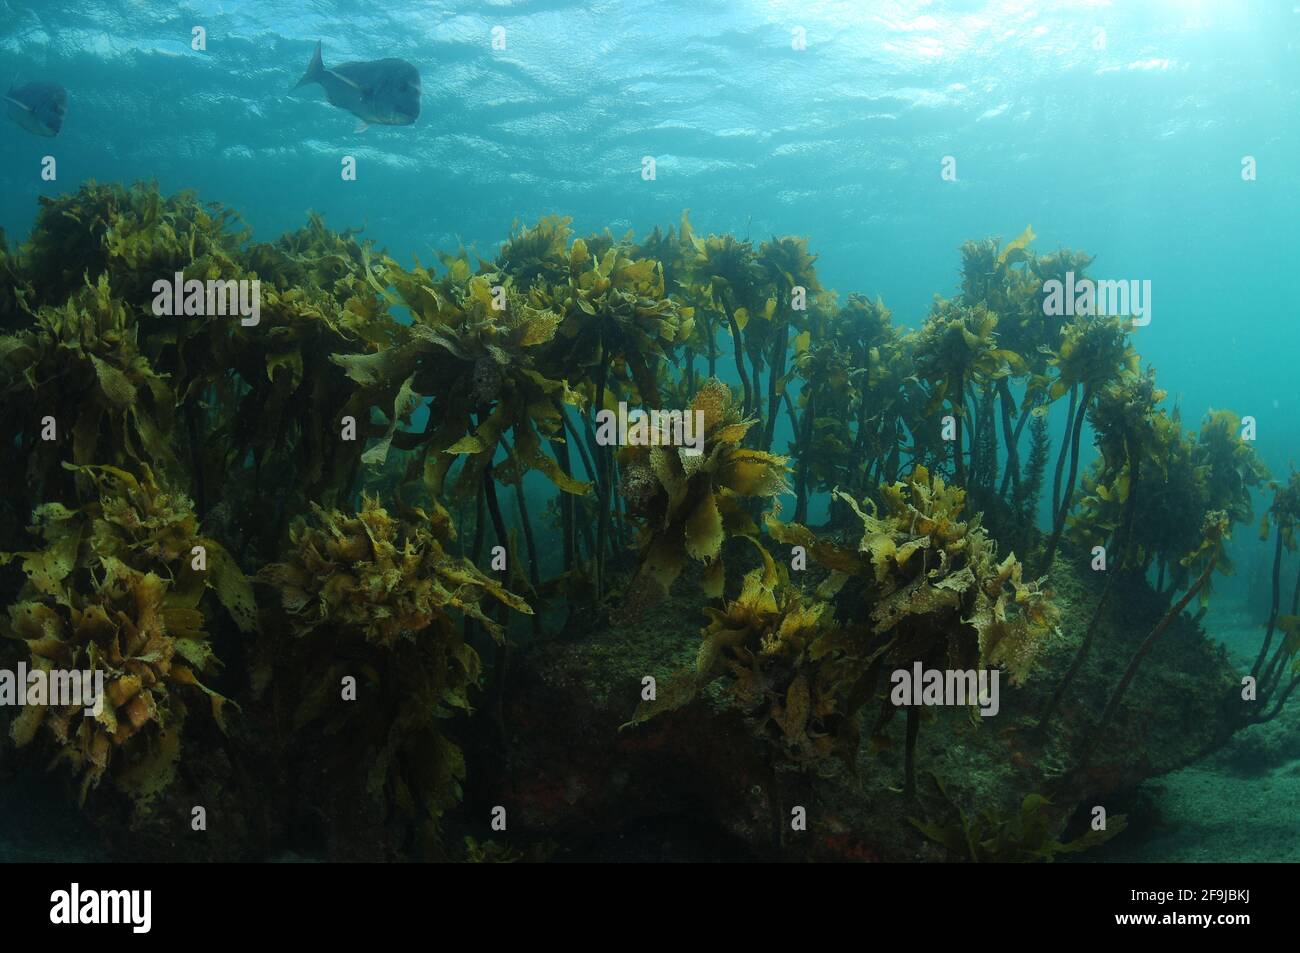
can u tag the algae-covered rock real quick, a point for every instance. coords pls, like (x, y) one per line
(569, 773)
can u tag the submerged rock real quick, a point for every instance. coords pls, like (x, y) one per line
(568, 772)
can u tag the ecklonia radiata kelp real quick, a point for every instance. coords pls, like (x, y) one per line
(379, 596)
(933, 579)
(780, 656)
(113, 592)
(692, 499)
(386, 577)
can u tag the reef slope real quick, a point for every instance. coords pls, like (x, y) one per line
(569, 773)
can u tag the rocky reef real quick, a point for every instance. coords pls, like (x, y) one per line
(308, 551)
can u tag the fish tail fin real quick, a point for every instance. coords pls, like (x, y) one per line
(315, 70)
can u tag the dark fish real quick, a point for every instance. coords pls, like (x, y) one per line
(383, 92)
(38, 107)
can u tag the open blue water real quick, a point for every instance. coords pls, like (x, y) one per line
(1118, 128)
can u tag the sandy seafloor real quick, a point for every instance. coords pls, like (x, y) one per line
(1241, 804)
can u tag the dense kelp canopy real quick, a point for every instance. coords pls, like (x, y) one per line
(342, 485)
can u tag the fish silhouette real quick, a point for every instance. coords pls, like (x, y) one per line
(378, 92)
(38, 107)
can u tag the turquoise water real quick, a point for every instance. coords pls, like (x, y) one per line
(1120, 129)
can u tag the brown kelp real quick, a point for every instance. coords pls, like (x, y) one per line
(347, 449)
(937, 593)
(1019, 836)
(1278, 675)
(933, 590)
(117, 591)
(693, 499)
(372, 597)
